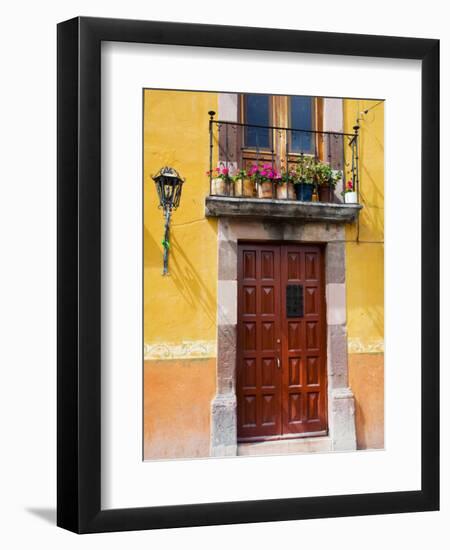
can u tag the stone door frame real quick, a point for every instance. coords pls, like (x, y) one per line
(341, 407)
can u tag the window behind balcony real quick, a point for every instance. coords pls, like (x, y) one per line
(301, 114)
(257, 112)
(297, 112)
(259, 144)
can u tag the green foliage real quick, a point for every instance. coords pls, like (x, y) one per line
(325, 176)
(307, 171)
(240, 174)
(322, 173)
(304, 171)
(288, 177)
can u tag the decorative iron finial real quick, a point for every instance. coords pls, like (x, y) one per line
(167, 172)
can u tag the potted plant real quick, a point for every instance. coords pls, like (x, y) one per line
(285, 187)
(326, 179)
(263, 179)
(220, 180)
(350, 195)
(304, 179)
(242, 184)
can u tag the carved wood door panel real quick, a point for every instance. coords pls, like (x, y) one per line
(281, 377)
(259, 377)
(304, 341)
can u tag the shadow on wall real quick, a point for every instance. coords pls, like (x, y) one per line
(152, 253)
(183, 273)
(371, 180)
(45, 514)
(372, 215)
(361, 438)
(189, 282)
(376, 316)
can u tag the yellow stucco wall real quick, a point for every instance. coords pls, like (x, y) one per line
(365, 276)
(181, 306)
(179, 309)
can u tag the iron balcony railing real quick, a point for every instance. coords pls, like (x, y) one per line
(236, 145)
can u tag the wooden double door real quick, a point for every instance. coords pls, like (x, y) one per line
(281, 355)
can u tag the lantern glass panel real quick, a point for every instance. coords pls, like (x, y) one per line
(168, 185)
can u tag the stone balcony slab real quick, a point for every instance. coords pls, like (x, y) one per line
(280, 209)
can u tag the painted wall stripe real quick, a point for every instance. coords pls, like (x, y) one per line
(187, 349)
(356, 345)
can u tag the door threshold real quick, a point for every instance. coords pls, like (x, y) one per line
(286, 446)
(279, 437)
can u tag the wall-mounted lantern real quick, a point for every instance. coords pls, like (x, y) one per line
(168, 185)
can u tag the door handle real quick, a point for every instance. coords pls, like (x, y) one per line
(278, 363)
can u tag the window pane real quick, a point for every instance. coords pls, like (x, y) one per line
(257, 112)
(302, 119)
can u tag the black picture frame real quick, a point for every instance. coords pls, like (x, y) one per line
(79, 280)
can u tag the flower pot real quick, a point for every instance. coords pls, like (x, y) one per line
(220, 186)
(350, 197)
(265, 190)
(286, 190)
(244, 187)
(304, 191)
(326, 193)
(249, 188)
(237, 187)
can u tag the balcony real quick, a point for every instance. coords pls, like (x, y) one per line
(259, 169)
(280, 209)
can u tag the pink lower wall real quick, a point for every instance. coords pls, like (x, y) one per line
(177, 405)
(366, 377)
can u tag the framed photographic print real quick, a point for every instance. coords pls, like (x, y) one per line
(248, 303)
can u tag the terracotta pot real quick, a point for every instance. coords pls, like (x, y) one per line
(244, 187)
(220, 187)
(285, 191)
(265, 190)
(326, 194)
(237, 188)
(350, 197)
